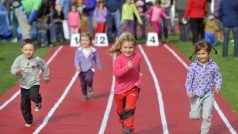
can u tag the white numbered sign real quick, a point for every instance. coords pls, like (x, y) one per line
(101, 39)
(75, 40)
(152, 39)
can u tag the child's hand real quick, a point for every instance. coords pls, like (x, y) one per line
(217, 91)
(18, 72)
(129, 64)
(141, 74)
(78, 69)
(190, 95)
(46, 81)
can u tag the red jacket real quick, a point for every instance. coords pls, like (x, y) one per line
(196, 9)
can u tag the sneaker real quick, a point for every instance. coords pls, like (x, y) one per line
(38, 107)
(122, 128)
(84, 98)
(90, 91)
(128, 131)
(28, 125)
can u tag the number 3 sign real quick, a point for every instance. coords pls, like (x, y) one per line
(101, 40)
(152, 39)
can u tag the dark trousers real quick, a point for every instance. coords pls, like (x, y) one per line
(28, 95)
(197, 28)
(86, 80)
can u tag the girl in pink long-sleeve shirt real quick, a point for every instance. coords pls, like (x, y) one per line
(126, 69)
(155, 13)
(74, 20)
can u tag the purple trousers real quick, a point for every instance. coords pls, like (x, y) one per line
(86, 80)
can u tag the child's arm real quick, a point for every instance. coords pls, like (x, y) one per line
(45, 69)
(217, 80)
(137, 14)
(15, 69)
(97, 61)
(120, 71)
(189, 81)
(76, 61)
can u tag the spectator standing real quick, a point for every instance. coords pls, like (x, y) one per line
(113, 18)
(229, 13)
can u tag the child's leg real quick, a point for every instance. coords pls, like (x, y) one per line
(195, 108)
(129, 111)
(35, 95)
(83, 83)
(89, 78)
(206, 115)
(26, 106)
(120, 102)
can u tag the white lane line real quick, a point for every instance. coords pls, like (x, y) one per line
(18, 92)
(109, 106)
(108, 109)
(53, 109)
(221, 114)
(159, 93)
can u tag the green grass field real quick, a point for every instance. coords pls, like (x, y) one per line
(9, 51)
(228, 66)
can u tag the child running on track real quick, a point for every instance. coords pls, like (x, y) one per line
(84, 59)
(27, 68)
(126, 69)
(203, 79)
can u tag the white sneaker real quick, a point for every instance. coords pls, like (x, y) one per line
(90, 91)
(28, 125)
(38, 107)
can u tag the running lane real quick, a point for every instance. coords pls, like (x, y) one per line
(61, 71)
(171, 75)
(147, 115)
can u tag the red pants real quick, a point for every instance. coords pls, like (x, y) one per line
(99, 28)
(126, 105)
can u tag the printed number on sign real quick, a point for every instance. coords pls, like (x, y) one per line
(152, 39)
(101, 40)
(76, 40)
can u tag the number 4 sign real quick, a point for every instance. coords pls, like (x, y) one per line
(74, 41)
(101, 40)
(152, 39)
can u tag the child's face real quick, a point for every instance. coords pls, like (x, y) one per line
(85, 42)
(73, 8)
(202, 56)
(28, 50)
(127, 48)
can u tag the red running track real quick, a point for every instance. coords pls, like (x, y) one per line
(74, 116)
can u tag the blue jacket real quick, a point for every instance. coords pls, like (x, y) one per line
(228, 12)
(90, 6)
(113, 5)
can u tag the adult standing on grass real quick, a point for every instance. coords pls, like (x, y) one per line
(228, 11)
(196, 11)
(203, 79)
(27, 68)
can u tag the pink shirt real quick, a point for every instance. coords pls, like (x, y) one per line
(156, 13)
(126, 78)
(74, 19)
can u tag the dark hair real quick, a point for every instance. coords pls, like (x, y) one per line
(202, 45)
(29, 41)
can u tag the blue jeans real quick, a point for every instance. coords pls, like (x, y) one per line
(113, 19)
(226, 32)
(90, 21)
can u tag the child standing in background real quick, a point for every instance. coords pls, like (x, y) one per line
(211, 28)
(74, 21)
(126, 69)
(100, 15)
(156, 13)
(27, 68)
(203, 79)
(127, 17)
(84, 59)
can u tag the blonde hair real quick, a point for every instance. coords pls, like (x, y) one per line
(116, 48)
